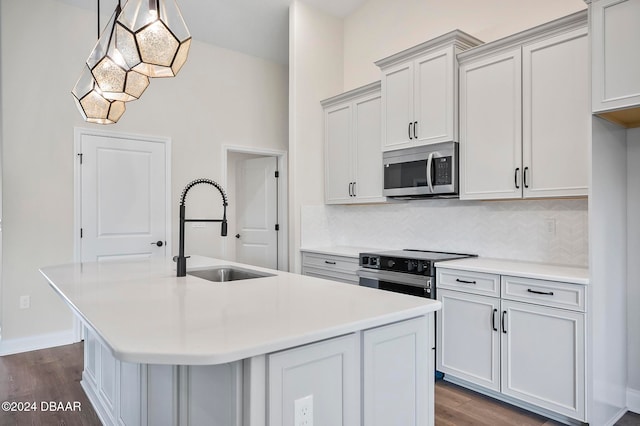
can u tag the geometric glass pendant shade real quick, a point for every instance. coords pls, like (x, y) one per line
(152, 37)
(94, 107)
(115, 78)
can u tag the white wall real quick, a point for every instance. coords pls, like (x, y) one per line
(315, 71)
(380, 28)
(219, 97)
(633, 266)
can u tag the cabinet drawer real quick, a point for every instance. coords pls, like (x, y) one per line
(330, 263)
(470, 282)
(541, 292)
(344, 277)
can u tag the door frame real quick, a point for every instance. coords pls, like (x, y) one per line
(78, 133)
(283, 211)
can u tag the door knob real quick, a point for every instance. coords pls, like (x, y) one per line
(158, 243)
(237, 235)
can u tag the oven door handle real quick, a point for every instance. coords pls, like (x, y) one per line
(421, 281)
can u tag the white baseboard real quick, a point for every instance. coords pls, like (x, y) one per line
(633, 400)
(34, 343)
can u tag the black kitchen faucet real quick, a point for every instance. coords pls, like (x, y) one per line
(181, 259)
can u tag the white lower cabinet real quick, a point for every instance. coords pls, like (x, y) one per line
(542, 357)
(331, 267)
(468, 344)
(527, 350)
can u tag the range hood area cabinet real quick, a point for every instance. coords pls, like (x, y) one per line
(353, 159)
(524, 114)
(615, 36)
(420, 92)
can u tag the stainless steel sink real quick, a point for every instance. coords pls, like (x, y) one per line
(227, 273)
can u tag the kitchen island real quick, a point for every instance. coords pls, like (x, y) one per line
(166, 350)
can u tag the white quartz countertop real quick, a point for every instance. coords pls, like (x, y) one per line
(147, 315)
(543, 271)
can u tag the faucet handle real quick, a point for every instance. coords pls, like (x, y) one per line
(175, 258)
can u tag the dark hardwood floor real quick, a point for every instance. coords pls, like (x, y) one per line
(53, 375)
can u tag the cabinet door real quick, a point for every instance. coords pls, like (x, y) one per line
(338, 162)
(490, 127)
(543, 357)
(616, 57)
(398, 374)
(434, 100)
(328, 371)
(469, 338)
(397, 112)
(368, 153)
(556, 117)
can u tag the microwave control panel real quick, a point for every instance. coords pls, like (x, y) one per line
(443, 171)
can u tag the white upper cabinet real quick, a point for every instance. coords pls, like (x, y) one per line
(615, 36)
(524, 114)
(556, 120)
(491, 126)
(419, 92)
(353, 158)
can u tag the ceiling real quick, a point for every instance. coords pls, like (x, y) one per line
(255, 27)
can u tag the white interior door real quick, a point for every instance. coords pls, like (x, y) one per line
(257, 212)
(123, 198)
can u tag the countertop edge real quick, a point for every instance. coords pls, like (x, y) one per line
(542, 271)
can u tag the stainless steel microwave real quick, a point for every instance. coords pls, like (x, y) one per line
(424, 171)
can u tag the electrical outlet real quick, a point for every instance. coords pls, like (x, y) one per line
(25, 302)
(550, 226)
(303, 411)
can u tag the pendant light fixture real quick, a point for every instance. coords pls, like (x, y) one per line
(114, 77)
(152, 37)
(91, 103)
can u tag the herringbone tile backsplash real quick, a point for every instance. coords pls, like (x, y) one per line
(553, 231)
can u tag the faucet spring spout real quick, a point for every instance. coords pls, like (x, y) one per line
(181, 259)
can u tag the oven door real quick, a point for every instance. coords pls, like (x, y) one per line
(398, 282)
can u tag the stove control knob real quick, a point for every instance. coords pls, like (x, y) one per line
(390, 263)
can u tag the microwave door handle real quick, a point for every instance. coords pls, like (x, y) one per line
(429, 165)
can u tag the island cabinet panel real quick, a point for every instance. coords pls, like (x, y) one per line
(397, 374)
(212, 395)
(130, 394)
(327, 371)
(107, 382)
(162, 397)
(615, 36)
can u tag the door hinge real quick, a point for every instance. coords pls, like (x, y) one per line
(277, 227)
(80, 156)
(80, 232)
(277, 174)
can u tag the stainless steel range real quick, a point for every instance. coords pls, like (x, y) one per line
(403, 271)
